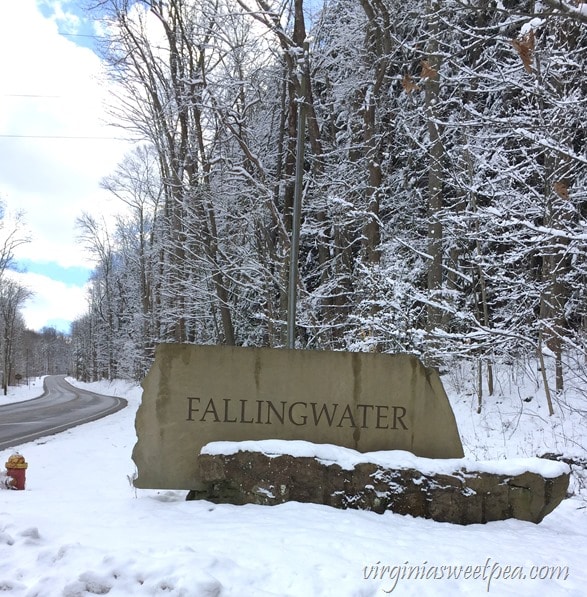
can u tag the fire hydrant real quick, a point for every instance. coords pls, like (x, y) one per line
(16, 468)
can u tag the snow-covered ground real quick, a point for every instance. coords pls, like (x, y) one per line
(80, 528)
(27, 391)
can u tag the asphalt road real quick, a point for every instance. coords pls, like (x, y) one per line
(61, 407)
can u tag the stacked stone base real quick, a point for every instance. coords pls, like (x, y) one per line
(463, 497)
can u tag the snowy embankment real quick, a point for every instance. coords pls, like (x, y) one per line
(81, 528)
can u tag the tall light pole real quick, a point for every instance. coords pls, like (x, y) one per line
(297, 204)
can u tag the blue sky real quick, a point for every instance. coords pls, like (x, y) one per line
(75, 275)
(55, 148)
(72, 21)
(65, 280)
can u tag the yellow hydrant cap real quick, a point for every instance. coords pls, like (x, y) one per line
(16, 461)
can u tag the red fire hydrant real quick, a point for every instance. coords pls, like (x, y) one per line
(16, 468)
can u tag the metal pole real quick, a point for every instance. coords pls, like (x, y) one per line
(297, 209)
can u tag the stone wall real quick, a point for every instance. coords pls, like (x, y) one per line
(464, 496)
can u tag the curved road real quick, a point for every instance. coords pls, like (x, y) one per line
(60, 407)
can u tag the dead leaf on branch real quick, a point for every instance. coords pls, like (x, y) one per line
(525, 47)
(561, 189)
(428, 72)
(409, 85)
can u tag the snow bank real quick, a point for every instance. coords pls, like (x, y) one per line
(347, 458)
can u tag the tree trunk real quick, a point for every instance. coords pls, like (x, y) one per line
(431, 72)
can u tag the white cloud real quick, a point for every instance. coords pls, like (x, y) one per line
(52, 300)
(52, 87)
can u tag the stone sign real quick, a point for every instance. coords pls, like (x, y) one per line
(194, 395)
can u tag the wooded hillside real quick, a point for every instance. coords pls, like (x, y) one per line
(444, 189)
